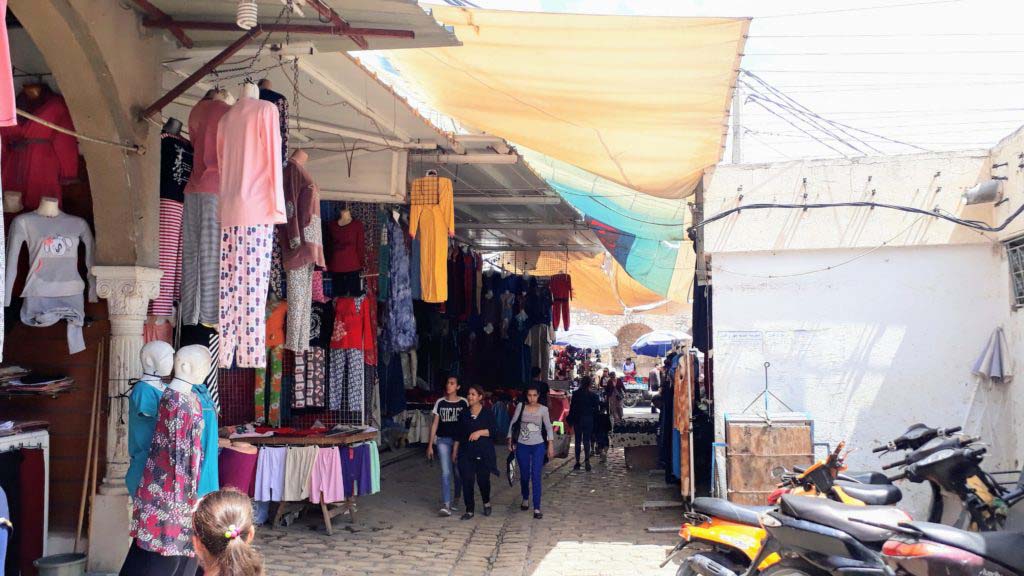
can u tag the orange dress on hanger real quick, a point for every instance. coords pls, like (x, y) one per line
(435, 223)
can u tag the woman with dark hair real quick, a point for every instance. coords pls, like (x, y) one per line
(443, 433)
(474, 451)
(222, 535)
(582, 414)
(530, 435)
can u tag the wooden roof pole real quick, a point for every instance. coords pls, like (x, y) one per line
(198, 75)
(157, 14)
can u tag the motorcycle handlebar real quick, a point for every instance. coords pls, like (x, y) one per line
(878, 449)
(953, 430)
(892, 465)
(902, 475)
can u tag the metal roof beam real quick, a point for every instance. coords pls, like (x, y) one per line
(508, 200)
(158, 14)
(517, 226)
(468, 158)
(331, 30)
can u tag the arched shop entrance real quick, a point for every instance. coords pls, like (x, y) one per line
(89, 53)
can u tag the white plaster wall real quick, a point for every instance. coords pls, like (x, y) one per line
(869, 347)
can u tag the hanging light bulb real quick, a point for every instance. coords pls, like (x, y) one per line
(245, 15)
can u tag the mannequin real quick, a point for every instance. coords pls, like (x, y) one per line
(143, 403)
(161, 522)
(250, 90)
(49, 207)
(12, 202)
(345, 218)
(300, 157)
(265, 84)
(34, 91)
(301, 249)
(172, 126)
(191, 365)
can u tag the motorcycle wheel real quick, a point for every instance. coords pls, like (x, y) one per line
(686, 570)
(793, 567)
(631, 400)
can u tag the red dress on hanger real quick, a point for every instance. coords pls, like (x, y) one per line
(37, 159)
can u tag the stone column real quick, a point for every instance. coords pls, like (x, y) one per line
(127, 290)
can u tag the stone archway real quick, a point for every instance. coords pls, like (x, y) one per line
(627, 334)
(107, 71)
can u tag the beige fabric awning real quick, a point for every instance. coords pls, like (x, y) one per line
(642, 101)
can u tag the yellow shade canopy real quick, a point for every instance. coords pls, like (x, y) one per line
(641, 101)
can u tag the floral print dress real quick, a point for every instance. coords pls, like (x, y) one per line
(162, 513)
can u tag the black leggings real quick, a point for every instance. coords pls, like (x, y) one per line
(470, 468)
(585, 440)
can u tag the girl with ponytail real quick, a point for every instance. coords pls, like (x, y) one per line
(223, 533)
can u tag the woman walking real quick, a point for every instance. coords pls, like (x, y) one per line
(615, 393)
(530, 436)
(443, 433)
(474, 451)
(582, 413)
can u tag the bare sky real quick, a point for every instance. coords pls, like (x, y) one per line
(941, 74)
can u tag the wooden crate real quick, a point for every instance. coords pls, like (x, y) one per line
(756, 446)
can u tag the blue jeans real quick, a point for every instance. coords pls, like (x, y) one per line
(530, 458)
(444, 446)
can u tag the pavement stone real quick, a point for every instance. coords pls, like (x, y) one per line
(593, 526)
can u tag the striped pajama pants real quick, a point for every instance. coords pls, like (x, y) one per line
(245, 253)
(170, 258)
(200, 262)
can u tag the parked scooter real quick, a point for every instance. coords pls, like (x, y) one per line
(720, 533)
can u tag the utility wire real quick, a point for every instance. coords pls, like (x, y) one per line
(935, 213)
(896, 35)
(812, 136)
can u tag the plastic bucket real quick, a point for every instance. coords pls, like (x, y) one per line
(61, 565)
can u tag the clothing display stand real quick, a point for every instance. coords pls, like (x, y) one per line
(329, 510)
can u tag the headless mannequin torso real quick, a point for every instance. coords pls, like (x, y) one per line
(12, 202)
(49, 207)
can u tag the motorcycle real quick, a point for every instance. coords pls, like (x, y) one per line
(720, 533)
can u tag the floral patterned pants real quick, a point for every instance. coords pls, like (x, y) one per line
(244, 279)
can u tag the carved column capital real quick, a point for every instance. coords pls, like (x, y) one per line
(127, 290)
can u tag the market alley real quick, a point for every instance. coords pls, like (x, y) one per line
(593, 525)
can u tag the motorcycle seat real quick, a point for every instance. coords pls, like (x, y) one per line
(872, 494)
(865, 477)
(1006, 548)
(843, 517)
(725, 510)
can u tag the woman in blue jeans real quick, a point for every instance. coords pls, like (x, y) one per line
(443, 433)
(530, 436)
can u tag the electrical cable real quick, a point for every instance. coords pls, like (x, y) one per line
(812, 136)
(858, 9)
(136, 148)
(935, 213)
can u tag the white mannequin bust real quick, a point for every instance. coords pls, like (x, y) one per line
(49, 207)
(157, 361)
(12, 202)
(191, 365)
(250, 90)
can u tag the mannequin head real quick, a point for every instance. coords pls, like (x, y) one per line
(250, 90)
(265, 84)
(299, 157)
(192, 363)
(172, 126)
(157, 358)
(12, 202)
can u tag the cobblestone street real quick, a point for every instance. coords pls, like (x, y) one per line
(593, 525)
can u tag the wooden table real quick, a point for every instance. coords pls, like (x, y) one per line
(329, 511)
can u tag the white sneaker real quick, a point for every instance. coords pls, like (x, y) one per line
(445, 511)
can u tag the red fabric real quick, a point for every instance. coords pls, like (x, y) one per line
(561, 293)
(357, 325)
(31, 475)
(558, 407)
(237, 470)
(348, 246)
(36, 158)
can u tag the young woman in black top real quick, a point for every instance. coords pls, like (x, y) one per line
(474, 451)
(443, 434)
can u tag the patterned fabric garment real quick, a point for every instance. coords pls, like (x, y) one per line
(268, 388)
(278, 282)
(300, 308)
(162, 516)
(400, 323)
(318, 287)
(310, 379)
(244, 276)
(200, 260)
(346, 380)
(170, 241)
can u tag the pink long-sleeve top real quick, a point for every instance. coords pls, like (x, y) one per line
(203, 121)
(251, 170)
